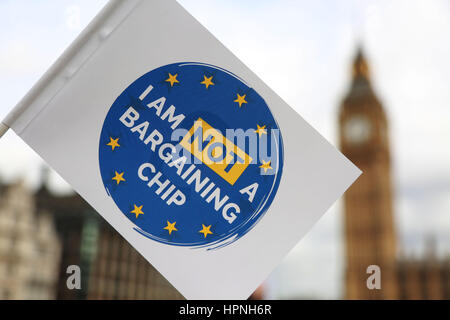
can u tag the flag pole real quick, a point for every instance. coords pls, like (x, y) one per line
(3, 129)
(70, 54)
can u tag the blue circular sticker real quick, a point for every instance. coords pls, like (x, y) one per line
(191, 155)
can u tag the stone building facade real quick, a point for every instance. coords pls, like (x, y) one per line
(111, 268)
(42, 234)
(29, 247)
(370, 233)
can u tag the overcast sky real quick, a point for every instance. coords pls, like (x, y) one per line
(303, 50)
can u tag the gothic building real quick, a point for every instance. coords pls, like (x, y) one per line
(369, 225)
(29, 247)
(111, 268)
(42, 234)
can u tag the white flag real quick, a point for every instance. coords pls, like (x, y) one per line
(181, 148)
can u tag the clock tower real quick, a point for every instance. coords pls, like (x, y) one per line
(369, 228)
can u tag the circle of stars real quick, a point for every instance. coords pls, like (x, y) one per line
(119, 177)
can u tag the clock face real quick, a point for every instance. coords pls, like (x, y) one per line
(357, 129)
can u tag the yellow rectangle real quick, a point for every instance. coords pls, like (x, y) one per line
(219, 154)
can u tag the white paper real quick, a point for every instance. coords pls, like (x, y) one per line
(66, 123)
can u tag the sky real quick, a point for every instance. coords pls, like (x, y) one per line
(303, 50)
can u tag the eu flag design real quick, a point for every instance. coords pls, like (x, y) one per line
(191, 155)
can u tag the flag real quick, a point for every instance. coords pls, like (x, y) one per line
(181, 148)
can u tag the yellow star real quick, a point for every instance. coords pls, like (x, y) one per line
(113, 143)
(170, 227)
(137, 211)
(241, 99)
(205, 230)
(207, 82)
(261, 130)
(172, 79)
(119, 177)
(266, 166)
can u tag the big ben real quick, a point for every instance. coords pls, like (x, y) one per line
(369, 226)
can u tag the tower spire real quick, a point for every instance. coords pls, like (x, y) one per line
(360, 66)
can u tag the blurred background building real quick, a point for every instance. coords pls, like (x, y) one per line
(29, 247)
(42, 234)
(370, 232)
